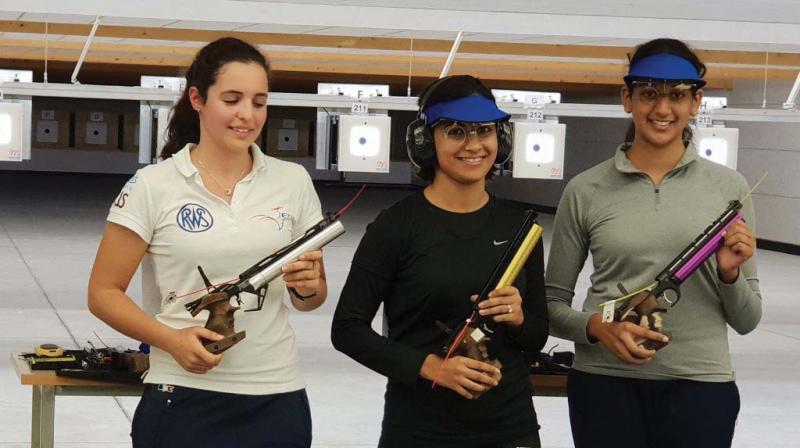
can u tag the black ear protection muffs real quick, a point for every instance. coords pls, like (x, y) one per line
(505, 141)
(419, 138)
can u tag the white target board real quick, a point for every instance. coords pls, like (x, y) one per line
(538, 150)
(720, 145)
(11, 132)
(364, 143)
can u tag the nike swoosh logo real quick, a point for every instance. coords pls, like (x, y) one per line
(499, 243)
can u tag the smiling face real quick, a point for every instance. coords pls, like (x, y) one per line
(660, 112)
(235, 107)
(465, 152)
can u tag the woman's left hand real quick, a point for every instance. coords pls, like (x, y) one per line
(504, 305)
(304, 274)
(738, 246)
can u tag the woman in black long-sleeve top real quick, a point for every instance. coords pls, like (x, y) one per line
(424, 258)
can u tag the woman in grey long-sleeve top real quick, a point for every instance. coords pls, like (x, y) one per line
(634, 214)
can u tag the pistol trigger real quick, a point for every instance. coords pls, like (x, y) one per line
(622, 289)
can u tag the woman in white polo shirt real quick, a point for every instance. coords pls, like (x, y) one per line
(215, 201)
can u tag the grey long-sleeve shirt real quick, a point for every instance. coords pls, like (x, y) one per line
(633, 228)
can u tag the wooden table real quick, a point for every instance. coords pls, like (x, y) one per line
(47, 385)
(549, 385)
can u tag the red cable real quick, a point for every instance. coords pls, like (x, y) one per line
(234, 280)
(347, 206)
(453, 347)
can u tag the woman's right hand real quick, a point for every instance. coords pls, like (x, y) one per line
(624, 339)
(186, 347)
(463, 375)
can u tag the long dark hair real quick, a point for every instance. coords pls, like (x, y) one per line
(449, 89)
(184, 126)
(665, 46)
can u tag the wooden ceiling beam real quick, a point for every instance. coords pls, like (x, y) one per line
(287, 81)
(178, 35)
(515, 69)
(484, 71)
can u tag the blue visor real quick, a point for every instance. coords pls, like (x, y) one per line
(469, 109)
(664, 67)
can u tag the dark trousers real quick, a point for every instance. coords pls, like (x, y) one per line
(405, 439)
(608, 411)
(186, 417)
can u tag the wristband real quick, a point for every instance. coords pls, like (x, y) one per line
(300, 296)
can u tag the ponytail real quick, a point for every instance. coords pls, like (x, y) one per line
(183, 128)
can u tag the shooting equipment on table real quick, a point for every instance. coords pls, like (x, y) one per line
(255, 280)
(103, 364)
(644, 306)
(470, 338)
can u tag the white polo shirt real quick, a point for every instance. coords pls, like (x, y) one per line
(185, 226)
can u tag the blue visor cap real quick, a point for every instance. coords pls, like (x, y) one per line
(469, 109)
(664, 67)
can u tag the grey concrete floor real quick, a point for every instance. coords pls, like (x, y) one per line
(50, 225)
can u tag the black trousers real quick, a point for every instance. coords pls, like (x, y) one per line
(398, 438)
(394, 441)
(608, 411)
(185, 417)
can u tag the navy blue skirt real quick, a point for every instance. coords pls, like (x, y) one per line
(175, 416)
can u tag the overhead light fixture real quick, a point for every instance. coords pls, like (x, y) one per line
(11, 132)
(538, 150)
(364, 143)
(720, 145)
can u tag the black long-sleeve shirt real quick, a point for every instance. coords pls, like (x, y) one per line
(424, 263)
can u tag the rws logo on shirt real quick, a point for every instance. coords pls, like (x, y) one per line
(194, 218)
(278, 215)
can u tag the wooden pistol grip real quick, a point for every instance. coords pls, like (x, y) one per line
(220, 320)
(643, 310)
(478, 351)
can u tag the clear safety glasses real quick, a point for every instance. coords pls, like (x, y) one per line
(458, 133)
(649, 92)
